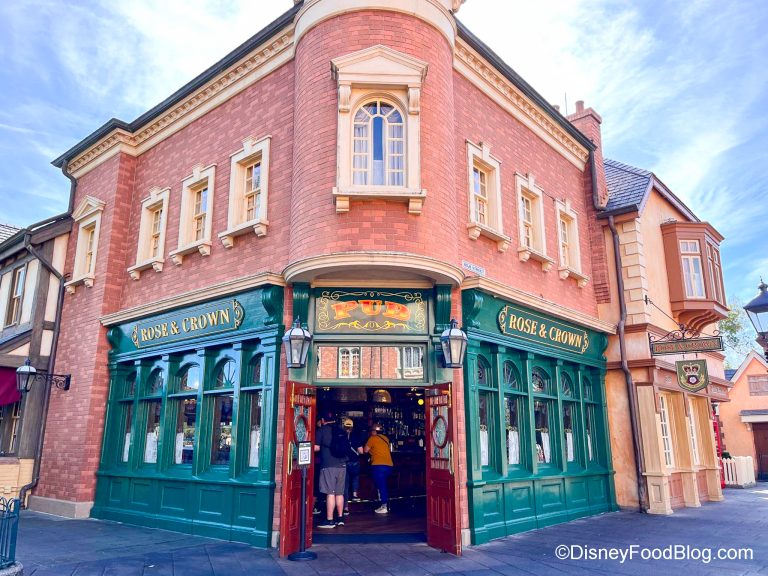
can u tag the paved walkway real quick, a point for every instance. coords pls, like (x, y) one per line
(50, 546)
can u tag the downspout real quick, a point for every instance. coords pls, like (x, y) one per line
(54, 344)
(632, 393)
(625, 366)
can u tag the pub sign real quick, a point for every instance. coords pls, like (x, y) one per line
(692, 375)
(514, 321)
(370, 311)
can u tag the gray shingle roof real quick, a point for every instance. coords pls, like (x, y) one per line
(6, 231)
(729, 372)
(627, 186)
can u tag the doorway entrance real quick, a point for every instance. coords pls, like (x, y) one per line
(418, 424)
(398, 417)
(760, 432)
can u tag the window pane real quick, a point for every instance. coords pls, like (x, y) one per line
(566, 385)
(152, 431)
(483, 406)
(569, 415)
(190, 379)
(539, 380)
(155, 383)
(591, 456)
(254, 425)
(225, 375)
(371, 362)
(130, 385)
(511, 416)
(125, 436)
(395, 117)
(541, 418)
(510, 376)
(385, 109)
(186, 431)
(221, 440)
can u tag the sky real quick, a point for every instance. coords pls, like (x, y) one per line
(681, 85)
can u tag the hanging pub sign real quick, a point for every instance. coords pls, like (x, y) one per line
(370, 311)
(692, 375)
(514, 321)
(202, 320)
(671, 344)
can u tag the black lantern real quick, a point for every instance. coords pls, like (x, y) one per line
(454, 342)
(757, 310)
(27, 375)
(297, 341)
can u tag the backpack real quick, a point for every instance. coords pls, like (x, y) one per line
(340, 446)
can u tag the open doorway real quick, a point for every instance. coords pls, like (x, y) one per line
(399, 414)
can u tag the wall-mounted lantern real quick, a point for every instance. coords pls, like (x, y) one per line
(27, 376)
(454, 342)
(297, 341)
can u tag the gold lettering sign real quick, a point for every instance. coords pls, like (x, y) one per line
(520, 323)
(375, 311)
(199, 321)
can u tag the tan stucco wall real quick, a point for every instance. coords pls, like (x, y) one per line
(622, 452)
(14, 474)
(738, 439)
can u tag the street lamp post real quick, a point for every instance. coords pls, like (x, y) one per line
(757, 310)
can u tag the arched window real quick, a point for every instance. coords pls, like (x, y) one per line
(510, 376)
(539, 380)
(566, 385)
(189, 378)
(225, 374)
(378, 152)
(155, 382)
(256, 369)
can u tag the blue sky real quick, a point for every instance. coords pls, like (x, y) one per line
(682, 87)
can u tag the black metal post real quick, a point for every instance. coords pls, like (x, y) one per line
(303, 554)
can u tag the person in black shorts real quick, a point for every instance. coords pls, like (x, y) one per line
(333, 472)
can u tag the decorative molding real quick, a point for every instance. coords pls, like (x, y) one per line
(258, 64)
(471, 305)
(135, 271)
(538, 303)
(581, 279)
(442, 308)
(301, 302)
(525, 254)
(193, 297)
(307, 269)
(272, 300)
(478, 71)
(414, 198)
(476, 230)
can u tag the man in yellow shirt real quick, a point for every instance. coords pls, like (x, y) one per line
(381, 465)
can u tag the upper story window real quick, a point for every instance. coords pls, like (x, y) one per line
(568, 243)
(152, 225)
(694, 273)
(485, 214)
(87, 219)
(248, 191)
(195, 218)
(533, 242)
(758, 385)
(379, 127)
(16, 296)
(690, 256)
(378, 150)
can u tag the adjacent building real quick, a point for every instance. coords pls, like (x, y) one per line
(31, 261)
(667, 273)
(744, 419)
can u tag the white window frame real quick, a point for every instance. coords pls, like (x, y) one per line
(526, 187)
(158, 199)
(715, 273)
(691, 256)
(87, 217)
(693, 430)
(369, 74)
(13, 319)
(570, 263)
(199, 179)
(666, 433)
(479, 158)
(253, 151)
(351, 351)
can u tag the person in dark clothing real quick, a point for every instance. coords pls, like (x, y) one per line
(356, 444)
(333, 472)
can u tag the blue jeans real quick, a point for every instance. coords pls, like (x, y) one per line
(380, 474)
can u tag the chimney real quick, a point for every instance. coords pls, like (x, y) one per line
(587, 121)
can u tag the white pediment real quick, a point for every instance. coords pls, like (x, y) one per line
(379, 65)
(87, 207)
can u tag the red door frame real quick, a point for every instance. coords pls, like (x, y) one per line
(300, 404)
(443, 516)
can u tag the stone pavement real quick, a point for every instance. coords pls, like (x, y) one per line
(49, 546)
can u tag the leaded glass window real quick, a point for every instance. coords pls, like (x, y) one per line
(378, 151)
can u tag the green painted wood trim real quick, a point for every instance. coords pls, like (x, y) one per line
(301, 293)
(442, 308)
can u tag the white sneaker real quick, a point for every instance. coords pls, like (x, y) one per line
(382, 509)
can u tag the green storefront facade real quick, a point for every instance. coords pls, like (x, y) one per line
(538, 451)
(189, 440)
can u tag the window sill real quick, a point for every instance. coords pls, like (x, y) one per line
(476, 230)
(525, 254)
(413, 196)
(136, 270)
(85, 280)
(202, 246)
(581, 279)
(258, 227)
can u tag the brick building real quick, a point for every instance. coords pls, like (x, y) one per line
(373, 170)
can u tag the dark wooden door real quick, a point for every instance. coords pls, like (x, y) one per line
(760, 432)
(299, 425)
(443, 529)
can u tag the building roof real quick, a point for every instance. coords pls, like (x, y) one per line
(265, 34)
(759, 412)
(729, 372)
(753, 355)
(6, 231)
(629, 188)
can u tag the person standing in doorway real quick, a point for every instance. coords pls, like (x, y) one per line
(333, 445)
(353, 464)
(381, 465)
